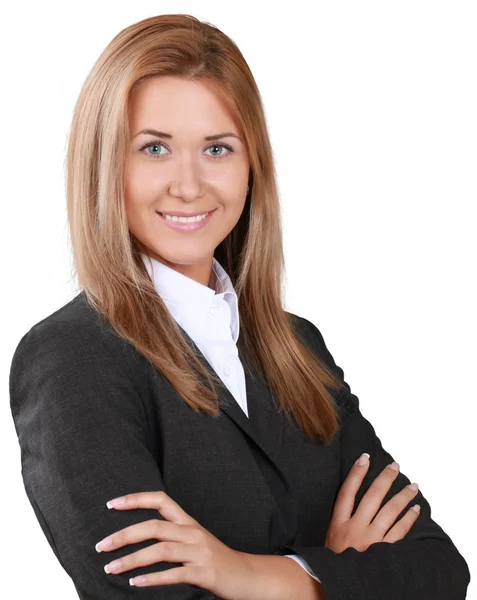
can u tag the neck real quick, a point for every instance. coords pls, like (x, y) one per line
(212, 279)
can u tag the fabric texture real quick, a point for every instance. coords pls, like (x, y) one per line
(212, 320)
(95, 420)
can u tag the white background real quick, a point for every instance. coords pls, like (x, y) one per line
(371, 108)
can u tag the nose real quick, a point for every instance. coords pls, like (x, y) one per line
(188, 183)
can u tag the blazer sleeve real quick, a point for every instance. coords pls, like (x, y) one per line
(424, 565)
(83, 438)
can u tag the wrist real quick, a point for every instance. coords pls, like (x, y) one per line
(283, 579)
(299, 583)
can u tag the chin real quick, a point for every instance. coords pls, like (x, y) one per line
(181, 258)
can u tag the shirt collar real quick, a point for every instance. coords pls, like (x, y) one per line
(190, 301)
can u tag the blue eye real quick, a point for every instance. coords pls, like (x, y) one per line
(158, 144)
(150, 146)
(221, 146)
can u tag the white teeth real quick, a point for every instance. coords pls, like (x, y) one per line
(186, 219)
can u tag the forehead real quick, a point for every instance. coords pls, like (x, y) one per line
(168, 103)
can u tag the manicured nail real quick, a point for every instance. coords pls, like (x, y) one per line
(104, 544)
(363, 459)
(416, 507)
(116, 502)
(113, 566)
(135, 580)
(394, 466)
(413, 486)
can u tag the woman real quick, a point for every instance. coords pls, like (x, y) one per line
(176, 381)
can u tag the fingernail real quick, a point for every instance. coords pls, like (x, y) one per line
(363, 459)
(394, 466)
(413, 486)
(115, 502)
(416, 507)
(113, 566)
(104, 544)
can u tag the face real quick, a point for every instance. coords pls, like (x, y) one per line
(183, 172)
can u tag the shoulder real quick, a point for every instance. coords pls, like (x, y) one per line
(312, 336)
(309, 333)
(72, 358)
(76, 328)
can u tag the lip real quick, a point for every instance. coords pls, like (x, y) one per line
(178, 226)
(181, 213)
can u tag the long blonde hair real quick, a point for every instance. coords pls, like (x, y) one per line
(106, 259)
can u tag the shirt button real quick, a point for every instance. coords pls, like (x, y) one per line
(227, 371)
(215, 309)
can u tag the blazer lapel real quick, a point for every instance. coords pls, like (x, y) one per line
(265, 425)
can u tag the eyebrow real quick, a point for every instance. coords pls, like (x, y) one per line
(168, 135)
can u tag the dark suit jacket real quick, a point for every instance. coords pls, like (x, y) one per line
(95, 420)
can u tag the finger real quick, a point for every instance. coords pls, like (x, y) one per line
(374, 496)
(160, 501)
(387, 516)
(171, 552)
(193, 575)
(403, 526)
(147, 530)
(345, 499)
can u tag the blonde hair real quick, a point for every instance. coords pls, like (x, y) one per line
(106, 259)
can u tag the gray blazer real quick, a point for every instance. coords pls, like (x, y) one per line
(96, 420)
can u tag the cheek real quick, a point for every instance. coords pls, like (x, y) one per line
(137, 205)
(138, 183)
(238, 205)
(139, 192)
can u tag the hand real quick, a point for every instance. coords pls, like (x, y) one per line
(357, 531)
(208, 563)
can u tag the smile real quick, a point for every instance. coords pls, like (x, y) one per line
(187, 223)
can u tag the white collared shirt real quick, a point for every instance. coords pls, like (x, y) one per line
(211, 318)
